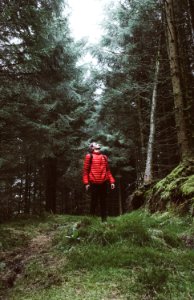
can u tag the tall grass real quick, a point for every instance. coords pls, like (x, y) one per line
(134, 256)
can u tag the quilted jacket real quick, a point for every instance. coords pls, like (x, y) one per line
(96, 169)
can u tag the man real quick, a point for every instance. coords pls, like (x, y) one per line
(96, 174)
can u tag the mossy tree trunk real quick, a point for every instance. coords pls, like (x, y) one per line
(174, 59)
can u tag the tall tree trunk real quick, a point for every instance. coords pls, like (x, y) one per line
(141, 125)
(34, 201)
(141, 159)
(51, 182)
(26, 189)
(20, 194)
(120, 209)
(191, 11)
(172, 41)
(149, 160)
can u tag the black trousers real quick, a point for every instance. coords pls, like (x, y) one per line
(99, 194)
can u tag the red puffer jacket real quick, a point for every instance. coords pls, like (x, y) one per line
(96, 169)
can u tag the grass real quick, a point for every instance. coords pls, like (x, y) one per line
(134, 256)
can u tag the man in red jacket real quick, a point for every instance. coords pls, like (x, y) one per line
(96, 174)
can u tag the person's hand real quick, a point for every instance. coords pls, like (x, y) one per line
(112, 186)
(87, 187)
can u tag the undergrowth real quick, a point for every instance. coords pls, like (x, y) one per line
(134, 256)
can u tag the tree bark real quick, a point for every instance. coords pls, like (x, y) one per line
(148, 176)
(120, 210)
(26, 189)
(191, 11)
(141, 151)
(34, 205)
(20, 194)
(51, 182)
(172, 41)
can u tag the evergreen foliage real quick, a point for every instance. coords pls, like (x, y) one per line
(127, 53)
(41, 107)
(51, 107)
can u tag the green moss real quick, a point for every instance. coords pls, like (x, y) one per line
(170, 178)
(160, 185)
(176, 189)
(176, 172)
(187, 187)
(171, 188)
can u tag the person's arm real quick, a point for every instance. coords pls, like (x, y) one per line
(109, 175)
(86, 169)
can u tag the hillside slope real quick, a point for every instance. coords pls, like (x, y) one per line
(135, 256)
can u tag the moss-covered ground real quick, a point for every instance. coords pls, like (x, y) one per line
(175, 190)
(134, 256)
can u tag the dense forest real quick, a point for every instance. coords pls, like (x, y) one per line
(138, 103)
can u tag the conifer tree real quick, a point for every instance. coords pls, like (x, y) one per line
(41, 102)
(173, 51)
(127, 54)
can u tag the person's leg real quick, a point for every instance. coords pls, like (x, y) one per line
(94, 198)
(103, 205)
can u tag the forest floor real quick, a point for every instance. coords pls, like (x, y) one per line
(134, 256)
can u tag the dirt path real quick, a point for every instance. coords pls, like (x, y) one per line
(12, 263)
